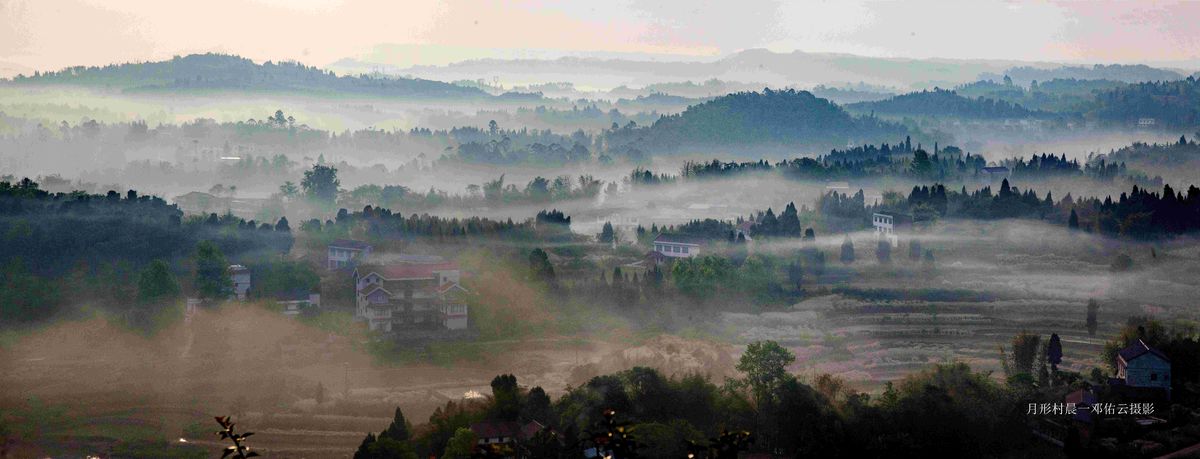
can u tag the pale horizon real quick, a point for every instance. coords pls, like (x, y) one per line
(51, 35)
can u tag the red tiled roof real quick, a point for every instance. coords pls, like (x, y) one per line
(409, 271)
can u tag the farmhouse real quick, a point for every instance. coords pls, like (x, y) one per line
(678, 246)
(993, 174)
(410, 296)
(493, 433)
(1140, 365)
(890, 224)
(345, 253)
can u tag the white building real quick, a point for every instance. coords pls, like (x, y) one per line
(887, 225)
(240, 275)
(295, 304)
(678, 246)
(344, 253)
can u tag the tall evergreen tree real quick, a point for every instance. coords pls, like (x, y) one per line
(398, 430)
(1093, 309)
(212, 280)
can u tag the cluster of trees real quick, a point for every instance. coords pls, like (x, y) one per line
(378, 224)
(787, 224)
(947, 410)
(1060, 95)
(900, 160)
(1140, 213)
(1144, 155)
(111, 249)
(1174, 104)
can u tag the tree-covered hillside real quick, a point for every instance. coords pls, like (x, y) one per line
(756, 118)
(941, 102)
(226, 72)
(1174, 104)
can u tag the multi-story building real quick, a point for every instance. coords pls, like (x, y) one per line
(410, 296)
(240, 275)
(889, 225)
(345, 253)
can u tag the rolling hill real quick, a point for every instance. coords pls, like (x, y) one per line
(767, 118)
(201, 72)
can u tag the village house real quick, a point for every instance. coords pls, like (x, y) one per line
(295, 303)
(1140, 365)
(742, 231)
(993, 174)
(678, 246)
(509, 434)
(410, 296)
(889, 225)
(345, 253)
(240, 275)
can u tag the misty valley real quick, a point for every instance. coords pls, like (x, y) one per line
(754, 255)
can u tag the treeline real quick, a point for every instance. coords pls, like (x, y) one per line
(1141, 154)
(1174, 104)
(1139, 213)
(948, 410)
(378, 223)
(538, 190)
(905, 160)
(948, 103)
(102, 245)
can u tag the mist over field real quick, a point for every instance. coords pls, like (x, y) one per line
(806, 231)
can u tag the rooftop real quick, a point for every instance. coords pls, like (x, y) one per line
(349, 244)
(1139, 349)
(679, 239)
(408, 270)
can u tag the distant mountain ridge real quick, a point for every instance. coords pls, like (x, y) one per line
(227, 72)
(794, 69)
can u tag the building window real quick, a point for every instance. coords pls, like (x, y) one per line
(685, 249)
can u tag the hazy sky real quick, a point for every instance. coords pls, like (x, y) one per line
(50, 34)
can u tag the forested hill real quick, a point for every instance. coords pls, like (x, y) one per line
(226, 72)
(769, 117)
(941, 102)
(1173, 104)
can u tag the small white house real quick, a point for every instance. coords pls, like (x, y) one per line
(240, 275)
(345, 253)
(678, 246)
(889, 225)
(295, 304)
